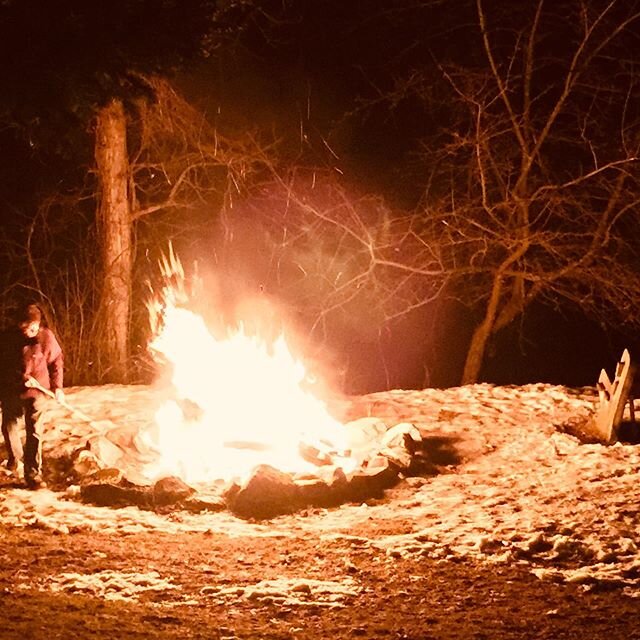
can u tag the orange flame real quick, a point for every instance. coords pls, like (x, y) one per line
(235, 403)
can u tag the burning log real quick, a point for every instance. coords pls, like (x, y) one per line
(109, 488)
(319, 454)
(268, 492)
(371, 481)
(381, 456)
(171, 490)
(325, 492)
(252, 415)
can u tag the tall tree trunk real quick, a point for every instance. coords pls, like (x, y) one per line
(115, 238)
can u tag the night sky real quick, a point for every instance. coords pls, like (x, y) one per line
(318, 76)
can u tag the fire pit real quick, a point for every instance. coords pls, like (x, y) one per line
(112, 468)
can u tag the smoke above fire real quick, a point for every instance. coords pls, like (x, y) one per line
(231, 402)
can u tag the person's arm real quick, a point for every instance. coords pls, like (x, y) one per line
(56, 367)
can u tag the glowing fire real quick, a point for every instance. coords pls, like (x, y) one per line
(236, 403)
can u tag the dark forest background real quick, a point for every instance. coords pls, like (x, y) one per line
(421, 193)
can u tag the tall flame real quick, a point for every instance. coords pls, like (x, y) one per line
(235, 402)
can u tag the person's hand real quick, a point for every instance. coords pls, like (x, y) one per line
(59, 393)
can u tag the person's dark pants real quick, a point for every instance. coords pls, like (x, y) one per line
(12, 410)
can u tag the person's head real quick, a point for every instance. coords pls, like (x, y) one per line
(29, 320)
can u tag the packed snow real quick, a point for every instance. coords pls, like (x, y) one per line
(513, 486)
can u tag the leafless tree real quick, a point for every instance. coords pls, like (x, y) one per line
(532, 185)
(162, 174)
(166, 161)
(532, 180)
(544, 168)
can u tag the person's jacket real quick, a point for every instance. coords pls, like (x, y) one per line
(22, 357)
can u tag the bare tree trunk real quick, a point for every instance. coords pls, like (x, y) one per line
(481, 335)
(115, 238)
(475, 354)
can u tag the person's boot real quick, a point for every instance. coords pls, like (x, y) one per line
(13, 469)
(34, 481)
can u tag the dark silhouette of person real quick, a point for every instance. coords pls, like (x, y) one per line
(29, 355)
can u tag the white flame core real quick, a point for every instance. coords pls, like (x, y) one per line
(236, 403)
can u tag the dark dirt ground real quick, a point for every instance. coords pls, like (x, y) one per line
(418, 599)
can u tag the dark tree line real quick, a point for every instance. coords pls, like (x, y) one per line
(78, 78)
(487, 154)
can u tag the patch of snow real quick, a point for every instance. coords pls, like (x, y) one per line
(110, 585)
(290, 592)
(513, 489)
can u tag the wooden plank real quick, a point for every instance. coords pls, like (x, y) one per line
(613, 395)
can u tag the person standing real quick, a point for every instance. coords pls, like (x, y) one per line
(28, 350)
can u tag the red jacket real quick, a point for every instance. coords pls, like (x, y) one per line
(21, 358)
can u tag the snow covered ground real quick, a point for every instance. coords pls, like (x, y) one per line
(513, 487)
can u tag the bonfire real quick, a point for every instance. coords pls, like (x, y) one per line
(238, 417)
